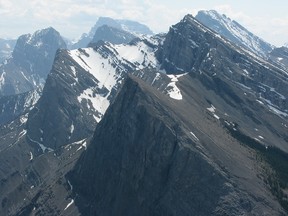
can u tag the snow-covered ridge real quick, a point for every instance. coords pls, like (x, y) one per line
(107, 64)
(96, 65)
(234, 32)
(140, 54)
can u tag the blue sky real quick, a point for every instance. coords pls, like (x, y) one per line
(268, 19)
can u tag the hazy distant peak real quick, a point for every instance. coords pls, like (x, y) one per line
(133, 27)
(234, 32)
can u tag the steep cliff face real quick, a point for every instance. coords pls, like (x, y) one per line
(59, 117)
(148, 156)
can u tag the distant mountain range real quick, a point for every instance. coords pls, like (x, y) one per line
(192, 122)
(124, 26)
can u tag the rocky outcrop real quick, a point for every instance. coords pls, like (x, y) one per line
(144, 160)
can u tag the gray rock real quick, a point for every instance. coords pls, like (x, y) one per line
(31, 61)
(233, 31)
(143, 160)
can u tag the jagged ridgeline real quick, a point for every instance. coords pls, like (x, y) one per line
(190, 122)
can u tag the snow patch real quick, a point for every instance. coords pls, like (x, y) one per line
(97, 66)
(39, 44)
(277, 111)
(21, 134)
(138, 54)
(73, 70)
(43, 148)
(69, 204)
(72, 128)
(31, 99)
(195, 138)
(31, 156)
(172, 90)
(157, 77)
(280, 59)
(211, 109)
(2, 79)
(246, 72)
(70, 185)
(95, 101)
(83, 145)
(260, 102)
(24, 118)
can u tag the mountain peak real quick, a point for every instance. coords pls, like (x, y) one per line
(234, 32)
(40, 36)
(31, 60)
(112, 35)
(188, 17)
(48, 30)
(132, 27)
(213, 13)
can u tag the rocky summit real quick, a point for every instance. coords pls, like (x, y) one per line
(233, 31)
(183, 123)
(31, 61)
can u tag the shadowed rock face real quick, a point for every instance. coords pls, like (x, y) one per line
(142, 167)
(144, 160)
(59, 118)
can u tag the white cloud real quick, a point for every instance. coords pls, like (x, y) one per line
(73, 17)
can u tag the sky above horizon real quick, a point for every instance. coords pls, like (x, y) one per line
(267, 19)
